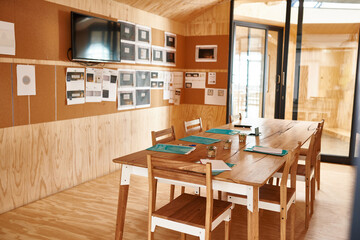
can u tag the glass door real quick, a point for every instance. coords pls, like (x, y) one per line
(256, 67)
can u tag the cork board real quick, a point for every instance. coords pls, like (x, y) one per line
(5, 96)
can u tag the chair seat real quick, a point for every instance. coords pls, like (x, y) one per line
(190, 209)
(270, 194)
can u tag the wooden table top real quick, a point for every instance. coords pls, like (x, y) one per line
(251, 168)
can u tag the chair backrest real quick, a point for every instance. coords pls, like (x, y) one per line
(233, 118)
(291, 167)
(163, 136)
(310, 160)
(320, 127)
(181, 171)
(193, 126)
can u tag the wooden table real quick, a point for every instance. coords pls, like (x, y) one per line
(252, 170)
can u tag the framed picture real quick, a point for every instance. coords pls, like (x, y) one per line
(143, 79)
(143, 34)
(157, 55)
(170, 57)
(206, 53)
(143, 54)
(170, 40)
(142, 98)
(127, 52)
(126, 99)
(126, 78)
(127, 31)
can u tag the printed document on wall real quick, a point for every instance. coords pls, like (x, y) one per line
(167, 79)
(93, 85)
(7, 38)
(177, 96)
(195, 79)
(215, 96)
(109, 85)
(75, 85)
(25, 80)
(177, 79)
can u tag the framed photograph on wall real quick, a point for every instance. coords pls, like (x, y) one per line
(170, 40)
(170, 57)
(206, 53)
(142, 98)
(126, 99)
(143, 34)
(127, 52)
(127, 31)
(143, 54)
(157, 55)
(143, 79)
(126, 78)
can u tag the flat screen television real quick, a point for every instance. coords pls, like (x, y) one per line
(94, 39)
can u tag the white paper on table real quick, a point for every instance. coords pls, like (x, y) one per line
(109, 87)
(212, 78)
(93, 85)
(25, 80)
(215, 96)
(7, 38)
(268, 150)
(177, 96)
(195, 79)
(177, 79)
(216, 165)
(75, 79)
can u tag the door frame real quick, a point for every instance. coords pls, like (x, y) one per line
(279, 60)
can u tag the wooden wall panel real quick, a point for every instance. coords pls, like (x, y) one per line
(42, 105)
(193, 96)
(5, 96)
(181, 52)
(7, 191)
(221, 80)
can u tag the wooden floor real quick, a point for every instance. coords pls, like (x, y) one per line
(88, 211)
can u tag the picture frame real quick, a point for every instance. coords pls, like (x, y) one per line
(126, 78)
(127, 31)
(142, 54)
(142, 79)
(170, 40)
(143, 34)
(143, 98)
(170, 57)
(157, 55)
(126, 99)
(127, 51)
(206, 53)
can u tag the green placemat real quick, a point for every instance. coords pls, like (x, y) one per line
(167, 148)
(284, 152)
(201, 140)
(214, 173)
(223, 131)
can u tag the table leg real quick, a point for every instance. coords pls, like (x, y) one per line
(253, 213)
(122, 202)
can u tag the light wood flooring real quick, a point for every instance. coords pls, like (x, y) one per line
(88, 211)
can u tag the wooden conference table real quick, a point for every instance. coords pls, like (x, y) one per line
(252, 170)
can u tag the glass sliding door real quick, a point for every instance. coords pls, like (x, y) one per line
(254, 69)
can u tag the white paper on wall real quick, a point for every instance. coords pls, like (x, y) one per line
(7, 38)
(212, 78)
(167, 79)
(195, 79)
(93, 85)
(25, 80)
(109, 85)
(75, 85)
(177, 79)
(177, 96)
(215, 96)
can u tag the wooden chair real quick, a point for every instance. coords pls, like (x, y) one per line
(189, 214)
(278, 198)
(306, 173)
(193, 126)
(304, 151)
(233, 118)
(164, 136)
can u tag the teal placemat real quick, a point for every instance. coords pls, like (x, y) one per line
(284, 152)
(214, 173)
(167, 148)
(201, 140)
(223, 131)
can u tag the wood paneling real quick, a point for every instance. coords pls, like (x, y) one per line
(5, 96)
(41, 159)
(88, 211)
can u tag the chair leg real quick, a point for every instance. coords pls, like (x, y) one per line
(277, 181)
(271, 180)
(182, 189)
(292, 221)
(307, 202)
(172, 192)
(317, 173)
(219, 195)
(283, 224)
(227, 230)
(183, 236)
(312, 196)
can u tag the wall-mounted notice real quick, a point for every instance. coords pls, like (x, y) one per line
(195, 79)
(177, 96)
(215, 96)
(126, 78)
(75, 85)
(109, 85)
(212, 78)
(177, 80)
(7, 38)
(25, 80)
(157, 80)
(143, 79)
(126, 99)
(93, 84)
(142, 98)
(167, 79)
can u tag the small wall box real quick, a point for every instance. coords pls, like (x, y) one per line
(170, 40)
(206, 53)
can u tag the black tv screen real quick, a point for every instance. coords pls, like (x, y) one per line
(94, 39)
